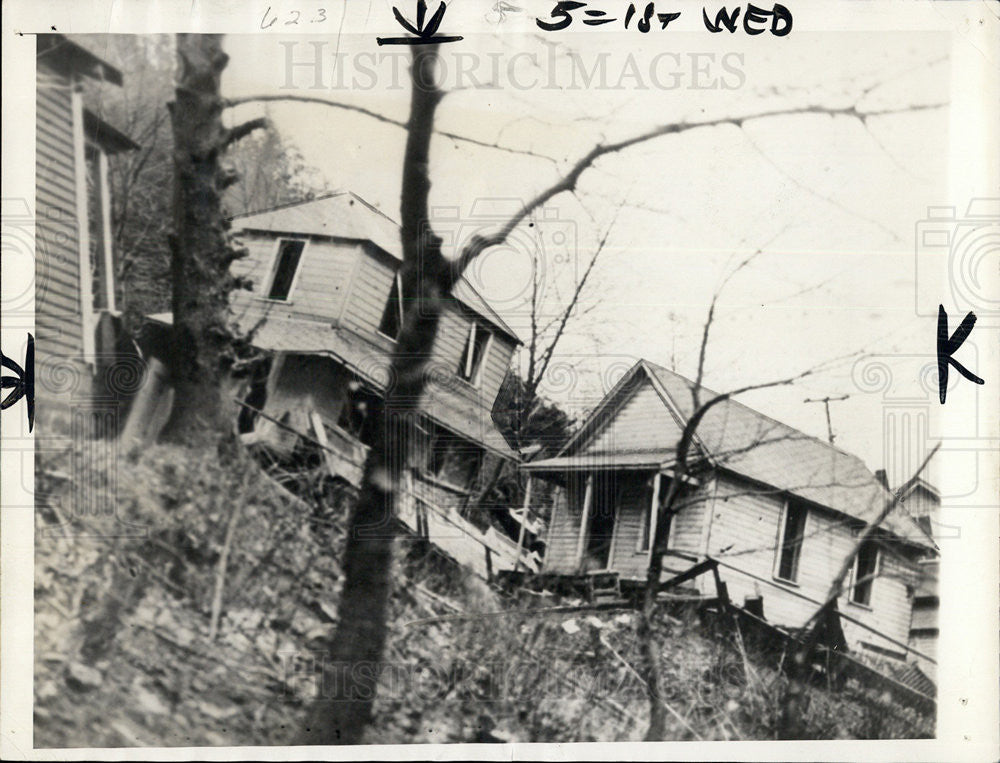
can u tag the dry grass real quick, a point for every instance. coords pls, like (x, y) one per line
(139, 611)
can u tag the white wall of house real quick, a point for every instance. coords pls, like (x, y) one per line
(745, 526)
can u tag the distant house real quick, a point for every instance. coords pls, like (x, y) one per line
(325, 308)
(75, 261)
(923, 503)
(778, 508)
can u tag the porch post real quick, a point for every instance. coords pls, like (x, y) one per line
(584, 516)
(654, 512)
(83, 225)
(107, 254)
(524, 520)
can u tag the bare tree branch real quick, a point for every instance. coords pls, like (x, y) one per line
(547, 354)
(242, 130)
(233, 102)
(479, 243)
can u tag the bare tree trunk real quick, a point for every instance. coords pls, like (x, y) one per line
(202, 252)
(343, 710)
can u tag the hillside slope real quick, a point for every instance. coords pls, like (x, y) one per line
(124, 653)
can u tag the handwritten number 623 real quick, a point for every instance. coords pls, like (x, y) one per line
(269, 18)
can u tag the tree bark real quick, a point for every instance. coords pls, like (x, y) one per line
(201, 249)
(344, 707)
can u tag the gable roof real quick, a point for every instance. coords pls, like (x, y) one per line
(737, 439)
(346, 215)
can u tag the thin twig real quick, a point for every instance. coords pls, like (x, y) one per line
(634, 672)
(220, 573)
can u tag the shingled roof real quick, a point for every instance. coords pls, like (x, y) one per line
(345, 215)
(742, 441)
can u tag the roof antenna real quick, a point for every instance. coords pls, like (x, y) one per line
(826, 405)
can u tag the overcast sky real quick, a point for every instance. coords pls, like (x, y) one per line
(832, 202)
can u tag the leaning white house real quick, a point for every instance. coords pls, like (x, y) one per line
(324, 310)
(780, 510)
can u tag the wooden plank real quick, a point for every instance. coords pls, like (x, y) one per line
(524, 522)
(584, 517)
(691, 574)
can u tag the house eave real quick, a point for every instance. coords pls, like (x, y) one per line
(110, 138)
(62, 53)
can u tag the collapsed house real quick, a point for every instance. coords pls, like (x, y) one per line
(777, 509)
(325, 310)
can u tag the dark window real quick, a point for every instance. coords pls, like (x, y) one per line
(791, 542)
(472, 357)
(392, 317)
(356, 413)
(865, 568)
(256, 398)
(453, 459)
(289, 254)
(97, 205)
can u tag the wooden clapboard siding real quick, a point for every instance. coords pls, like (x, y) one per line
(370, 292)
(926, 643)
(449, 350)
(321, 284)
(349, 283)
(449, 344)
(634, 500)
(643, 423)
(744, 531)
(564, 529)
(687, 526)
(59, 323)
(495, 366)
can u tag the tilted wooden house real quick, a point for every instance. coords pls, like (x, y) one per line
(780, 509)
(74, 260)
(326, 307)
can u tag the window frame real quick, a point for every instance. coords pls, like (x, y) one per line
(474, 379)
(397, 284)
(273, 270)
(101, 252)
(442, 446)
(789, 506)
(855, 569)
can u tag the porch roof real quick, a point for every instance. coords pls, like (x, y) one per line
(452, 406)
(592, 462)
(733, 438)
